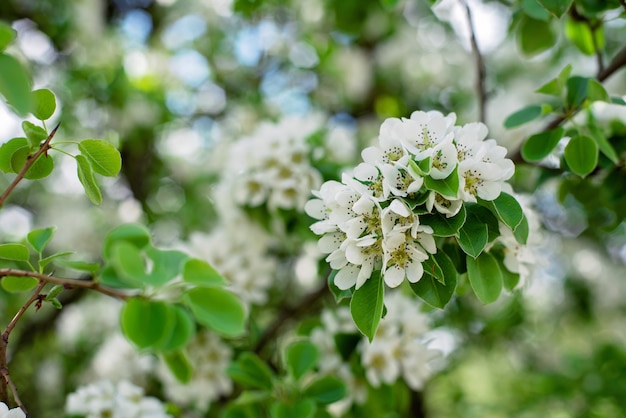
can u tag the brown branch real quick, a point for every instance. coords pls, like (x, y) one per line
(617, 62)
(7, 378)
(481, 70)
(67, 283)
(623, 3)
(290, 313)
(4, 366)
(43, 149)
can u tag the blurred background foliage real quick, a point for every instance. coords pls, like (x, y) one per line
(169, 81)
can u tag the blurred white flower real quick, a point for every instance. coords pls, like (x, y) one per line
(5, 412)
(121, 400)
(209, 357)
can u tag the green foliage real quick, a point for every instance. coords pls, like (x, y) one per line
(442, 225)
(217, 309)
(16, 252)
(367, 304)
(7, 150)
(34, 133)
(556, 86)
(448, 187)
(15, 84)
(540, 145)
(587, 39)
(581, 155)
(251, 371)
(146, 323)
(523, 116)
(473, 236)
(87, 179)
(326, 390)
(15, 284)
(103, 157)
(556, 7)
(39, 238)
(507, 209)
(44, 104)
(7, 35)
(535, 36)
(179, 365)
(300, 357)
(434, 289)
(485, 277)
(201, 273)
(304, 408)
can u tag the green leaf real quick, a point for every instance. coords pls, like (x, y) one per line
(509, 279)
(533, 9)
(300, 357)
(15, 252)
(540, 145)
(7, 35)
(434, 269)
(41, 168)
(134, 234)
(15, 84)
(432, 290)
(34, 133)
(39, 238)
(367, 304)
(201, 273)
(326, 390)
(555, 86)
(581, 155)
(556, 7)
(523, 116)
(337, 293)
(7, 150)
(109, 277)
(448, 187)
(183, 329)
(596, 92)
(179, 365)
(250, 370)
(47, 260)
(507, 209)
(85, 266)
(576, 91)
(85, 175)
(129, 263)
(302, 408)
(54, 292)
(443, 226)
(217, 309)
(603, 143)
(473, 237)
(485, 277)
(389, 4)
(583, 37)
(43, 104)
(346, 343)
(16, 284)
(103, 157)
(521, 232)
(535, 36)
(146, 323)
(166, 265)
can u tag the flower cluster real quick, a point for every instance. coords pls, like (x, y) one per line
(238, 249)
(397, 352)
(424, 164)
(210, 357)
(272, 166)
(121, 400)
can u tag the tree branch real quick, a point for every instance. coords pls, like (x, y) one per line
(481, 70)
(618, 61)
(67, 283)
(43, 149)
(290, 313)
(4, 366)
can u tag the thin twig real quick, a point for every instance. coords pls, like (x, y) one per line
(290, 313)
(43, 148)
(67, 283)
(481, 70)
(618, 61)
(7, 378)
(35, 296)
(4, 367)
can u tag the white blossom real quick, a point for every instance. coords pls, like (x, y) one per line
(209, 357)
(115, 400)
(5, 412)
